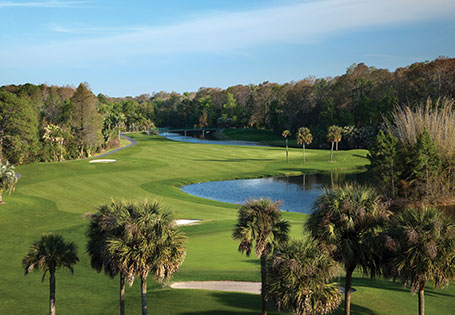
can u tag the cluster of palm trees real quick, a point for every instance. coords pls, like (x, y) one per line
(304, 137)
(350, 228)
(129, 239)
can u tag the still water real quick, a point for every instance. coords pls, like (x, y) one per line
(296, 193)
(178, 137)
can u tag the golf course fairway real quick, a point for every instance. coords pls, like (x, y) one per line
(54, 197)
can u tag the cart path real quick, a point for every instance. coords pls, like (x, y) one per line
(131, 140)
(230, 286)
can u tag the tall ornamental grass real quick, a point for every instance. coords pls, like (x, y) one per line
(438, 117)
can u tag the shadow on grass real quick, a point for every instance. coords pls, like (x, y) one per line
(434, 293)
(246, 303)
(235, 160)
(219, 312)
(253, 262)
(355, 310)
(377, 284)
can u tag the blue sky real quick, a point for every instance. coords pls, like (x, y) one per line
(132, 47)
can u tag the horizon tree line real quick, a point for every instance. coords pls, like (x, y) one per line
(358, 100)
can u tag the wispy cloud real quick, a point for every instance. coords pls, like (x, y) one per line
(41, 4)
(227, 32)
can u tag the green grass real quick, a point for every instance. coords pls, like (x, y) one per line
(266, 137)
(53, 197)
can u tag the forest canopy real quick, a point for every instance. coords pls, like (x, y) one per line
(82, 123)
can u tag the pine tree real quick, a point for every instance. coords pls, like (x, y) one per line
(384, 162)
(86, 120)
(425, 164)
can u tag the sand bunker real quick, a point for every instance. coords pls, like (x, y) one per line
(185, 222)
(103, 161)
(229, 286)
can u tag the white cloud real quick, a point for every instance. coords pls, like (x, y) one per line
(41, 4)
(227, 32)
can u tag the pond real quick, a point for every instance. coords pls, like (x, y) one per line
(296, 193)
(178, 137)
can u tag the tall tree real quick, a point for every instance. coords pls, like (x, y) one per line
(301, 275)
(8, 179)
(86, 120)
(423, 247)
(384, 162)
(48, 254)
(425, 164)
(286, 134)
(150, 244)
(304, 136)
(19, 140)
(347, 220)
(259, 222)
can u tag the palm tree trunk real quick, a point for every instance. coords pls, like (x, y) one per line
(1, 196)
(303, 146)
(331, 153)
(347, 292)
(144, 295)
(52, 293)
(286, 150)
(122, 294)
(264, 283)
(1, 146)
(422, 299)
(336, 146)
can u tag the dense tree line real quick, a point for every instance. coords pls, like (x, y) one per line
(50, 123)
(356, 100)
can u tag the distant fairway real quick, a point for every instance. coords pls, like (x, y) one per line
(53, 197)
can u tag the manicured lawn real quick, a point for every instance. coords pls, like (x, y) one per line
(267, 137)
(53, 197)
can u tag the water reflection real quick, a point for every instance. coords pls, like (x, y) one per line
(182, 138)
(297, 193)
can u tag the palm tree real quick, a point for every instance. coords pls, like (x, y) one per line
(300, 278)
(286, 134)
(48, 254)
(260, 221)
(105, 224)
(347, 220)
(422, 241)
(54, 134)
(304, 136)
(334, 136)
(8, 179)
(150, 243)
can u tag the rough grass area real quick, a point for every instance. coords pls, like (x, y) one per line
(53, 197)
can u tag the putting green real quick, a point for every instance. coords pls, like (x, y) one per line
(53, 197)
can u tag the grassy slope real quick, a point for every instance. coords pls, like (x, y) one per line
(53, 197)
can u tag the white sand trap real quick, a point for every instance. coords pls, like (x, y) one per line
(185, 222)
(229, 286)
(103, 161)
